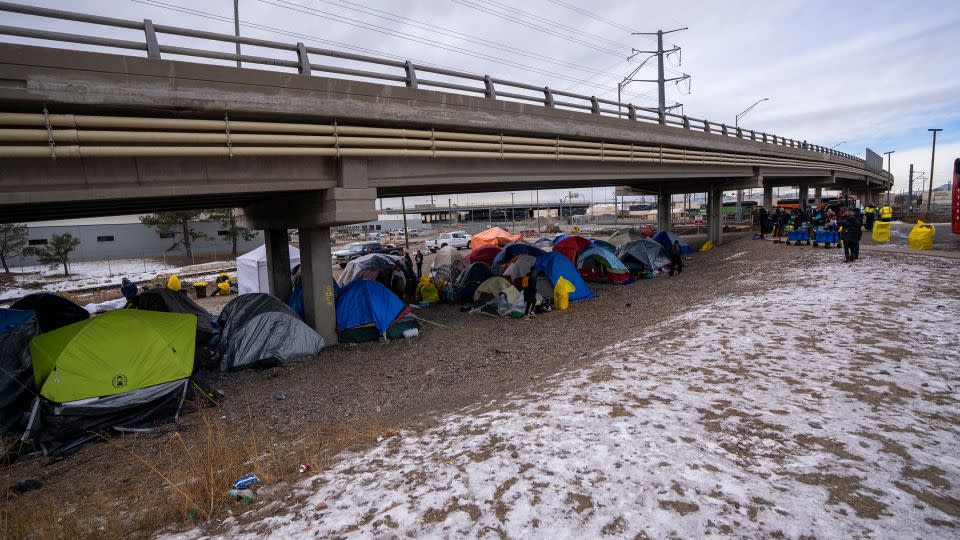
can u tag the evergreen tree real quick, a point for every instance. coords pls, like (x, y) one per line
(178, 224)
(227, 218)
(56, 252)
(13, 241)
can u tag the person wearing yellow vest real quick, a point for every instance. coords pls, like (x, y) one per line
(870, 215)
(886, 213)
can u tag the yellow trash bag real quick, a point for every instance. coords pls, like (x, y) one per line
(881, 232)
(173, 283)
(921, 237)
(427, 291)
(707, 246)
(561, 293)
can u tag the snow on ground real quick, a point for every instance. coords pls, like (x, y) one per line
(823, 404)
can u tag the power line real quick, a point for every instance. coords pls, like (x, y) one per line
(544, 29)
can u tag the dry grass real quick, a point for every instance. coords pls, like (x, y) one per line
(182, 479)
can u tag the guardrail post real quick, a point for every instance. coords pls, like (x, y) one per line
(594, 105)
(805, 146)
(153, 46)
(686, 122)
(304, 59)
(764, 134)
(632, 111)
(774, 139)
(723, 129)
(706, 126)
(739, 133)
(753, 135)
(662, 117)
(411, 74)
(490, 92)
(547, 97)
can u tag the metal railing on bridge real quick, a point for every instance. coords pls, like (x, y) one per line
(409, 74)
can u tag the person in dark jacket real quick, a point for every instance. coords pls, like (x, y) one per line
(763, 219)
(419, 258)
(128, 289)
(852, 231)
(676, 258)
(530, 293)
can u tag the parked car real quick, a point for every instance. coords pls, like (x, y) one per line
(457, 239)
(647, 230)
(358, 249)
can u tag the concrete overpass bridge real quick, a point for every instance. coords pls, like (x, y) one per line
(314, 136)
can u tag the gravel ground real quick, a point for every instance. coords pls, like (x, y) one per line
(470, 360)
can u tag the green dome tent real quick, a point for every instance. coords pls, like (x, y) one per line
(126, 369)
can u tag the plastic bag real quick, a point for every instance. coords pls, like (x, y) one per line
(561, 293)
(881, 232)
(921, 237)
(707, 246)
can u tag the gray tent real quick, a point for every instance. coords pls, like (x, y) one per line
(369, 267)
(448, 264)
(16, 378)
(644, 254)
(259, 329)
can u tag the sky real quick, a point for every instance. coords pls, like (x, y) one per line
(855, 74)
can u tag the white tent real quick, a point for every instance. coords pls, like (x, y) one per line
(252, 269)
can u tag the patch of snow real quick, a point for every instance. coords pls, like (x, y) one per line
(734, 256)
(825, 405)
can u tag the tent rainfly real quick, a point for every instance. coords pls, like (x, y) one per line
(252, 270)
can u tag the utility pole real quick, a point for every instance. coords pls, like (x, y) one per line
(236, 26)
(933, 155)
(888, 170)
(910, 191)
(513, 213)
(661, 80)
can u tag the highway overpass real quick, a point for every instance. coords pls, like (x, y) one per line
(314, 139)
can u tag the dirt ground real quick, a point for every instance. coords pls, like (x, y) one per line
(460, 360)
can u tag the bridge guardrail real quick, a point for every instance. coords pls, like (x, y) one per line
(410, 76)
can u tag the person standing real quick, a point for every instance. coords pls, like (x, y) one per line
(530, 293)
(779, 218)
(128, 289)
(419, 258)
(886, 214)
(763, 219)
(870, 215)
(852, 231)
(676, 258)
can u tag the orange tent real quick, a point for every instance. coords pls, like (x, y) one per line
(494, 236)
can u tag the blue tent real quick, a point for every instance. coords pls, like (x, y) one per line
(667, 238)
(555, 266)
(11, 318)
(517, 248)
(603, 244)
(364, 302)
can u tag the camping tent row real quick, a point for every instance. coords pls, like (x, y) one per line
(67, 375)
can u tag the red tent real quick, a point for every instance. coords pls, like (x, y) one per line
(570, 246)
(484, 254)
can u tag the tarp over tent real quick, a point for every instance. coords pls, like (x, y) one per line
(603, 244)
(17, 328)
(519, 267)
(447, 264)
(570, 246)
(252, 270)
(642, 255)
(125, 369)
(625, 236)
(516, 248)
(667, 238)
(365, 306)
(164, 300)
(259, 329)
(555, 266)
(369, 266)
(597, 263)
(470, 279)
(484, 254)
(543, 242)
(494, 236)
(53, 311)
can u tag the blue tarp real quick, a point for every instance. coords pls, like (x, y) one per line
(666, 239)
(555, 265)
(517, 248)
(364, 302)
(610, 260)
(11, 318)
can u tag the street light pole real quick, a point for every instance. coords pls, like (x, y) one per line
(838, 144)
(236, 26)
(736, 121)
(888, 170)
(513, 213)
(933, 155)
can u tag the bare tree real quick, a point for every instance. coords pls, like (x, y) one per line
(13, 241)
(178, 224)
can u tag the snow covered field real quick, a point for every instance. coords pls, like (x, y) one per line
(824, 403)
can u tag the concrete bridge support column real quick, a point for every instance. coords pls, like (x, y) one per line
(768, 198)
(804, 196)
(715, 214)
(739, 214)
(664, 208)
(818, 196)
(277, 243)
(318, 302)
(846, 193)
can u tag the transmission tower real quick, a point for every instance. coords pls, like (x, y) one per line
(660, 54)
